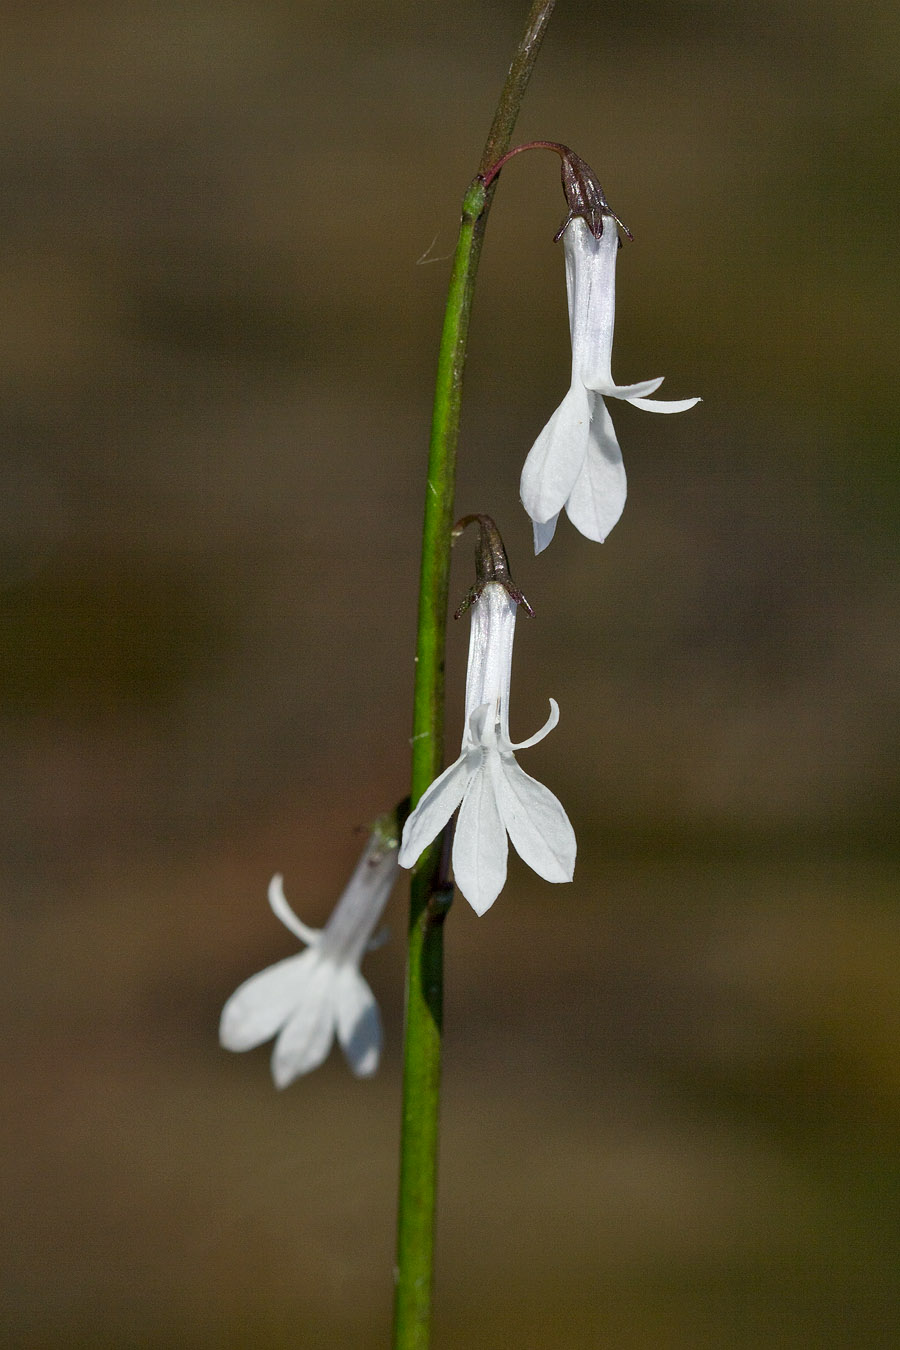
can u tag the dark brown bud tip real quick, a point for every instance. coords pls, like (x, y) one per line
(585, 197)
(490, 563)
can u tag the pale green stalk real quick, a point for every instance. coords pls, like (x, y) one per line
(430, 892)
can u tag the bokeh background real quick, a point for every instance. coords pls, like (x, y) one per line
(672, 1089)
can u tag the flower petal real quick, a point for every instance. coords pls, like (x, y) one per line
(555, 459)
(662, 405)
(598, 495)
(545, 729)
(262, 1004)
(628, 391)
(282, 910)
(479, 845)
(483, 723)
(543, 533)
(308, 1033)
(434, 809)
(537, 824)
(358, 1022)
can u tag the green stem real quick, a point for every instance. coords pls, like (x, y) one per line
(430, 893)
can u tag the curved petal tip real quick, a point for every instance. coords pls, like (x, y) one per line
(664, 405)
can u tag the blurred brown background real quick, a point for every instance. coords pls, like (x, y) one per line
(672, 1091)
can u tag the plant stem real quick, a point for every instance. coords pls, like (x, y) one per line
(430, 892)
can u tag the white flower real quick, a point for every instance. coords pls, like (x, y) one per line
(498, 798)
(576, 462)
(308, 997)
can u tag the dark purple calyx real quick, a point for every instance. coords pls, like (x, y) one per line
(584, 195)
(491, 563)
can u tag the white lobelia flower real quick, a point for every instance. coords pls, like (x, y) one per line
(308, 997)
(576, 462)
(495, 796)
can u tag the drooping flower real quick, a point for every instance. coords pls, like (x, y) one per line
(496, 798)
(576, 462)
(309, 997)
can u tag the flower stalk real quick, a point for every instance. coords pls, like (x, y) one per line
(430, 892)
